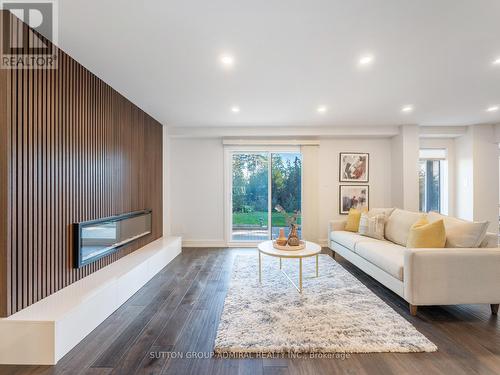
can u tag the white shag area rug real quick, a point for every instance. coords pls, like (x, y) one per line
(335, 313)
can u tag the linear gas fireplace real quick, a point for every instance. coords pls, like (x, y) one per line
(98, 238)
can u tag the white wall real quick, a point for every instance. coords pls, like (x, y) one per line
(477, 175)
(197, 183)
(166, 185)
(404, 167)
(197, 191)
(397, 187)
(464, 177)
(195, 188)
(486, 175)
(379, 179)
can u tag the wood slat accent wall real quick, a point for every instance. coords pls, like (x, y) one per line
(71, 149)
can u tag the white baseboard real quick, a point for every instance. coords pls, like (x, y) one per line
(243, 244)
(44, 332)
(204, 243)
(222, 243)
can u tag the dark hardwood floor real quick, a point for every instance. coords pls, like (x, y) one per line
(178, 312)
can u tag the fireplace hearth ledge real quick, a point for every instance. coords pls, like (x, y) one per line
(44, 332)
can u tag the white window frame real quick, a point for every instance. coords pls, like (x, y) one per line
(229, 150)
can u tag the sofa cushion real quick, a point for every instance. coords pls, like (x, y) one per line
(398, 225)
(387, 256)
(461, 233)
(349, 239)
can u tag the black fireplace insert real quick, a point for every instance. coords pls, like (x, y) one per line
(98, 238)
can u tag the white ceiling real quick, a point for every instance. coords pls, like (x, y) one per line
(292, 56)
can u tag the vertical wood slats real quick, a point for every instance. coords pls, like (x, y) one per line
(71, 149)
(5, 181)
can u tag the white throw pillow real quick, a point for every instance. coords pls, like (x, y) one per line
(372, 225)
(384, 211)
(461, 233)
(490, 241)
(398, 225)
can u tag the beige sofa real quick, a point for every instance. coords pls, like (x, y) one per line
(446, 276)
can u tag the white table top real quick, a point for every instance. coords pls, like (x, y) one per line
(311, 249)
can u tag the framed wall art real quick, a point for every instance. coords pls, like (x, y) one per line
(354, 167)
(353, 196)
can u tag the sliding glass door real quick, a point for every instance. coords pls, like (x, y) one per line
(259, 182)
(250, 190)
(286, 189)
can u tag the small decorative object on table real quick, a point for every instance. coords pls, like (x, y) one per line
(282, 240)
(293, 237)
(293, 242)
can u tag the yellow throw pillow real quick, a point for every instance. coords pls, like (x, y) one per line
(353, 219)
(427, 235)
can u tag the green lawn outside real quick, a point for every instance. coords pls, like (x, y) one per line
(258, 218)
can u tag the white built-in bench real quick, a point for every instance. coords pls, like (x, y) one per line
(45, 331)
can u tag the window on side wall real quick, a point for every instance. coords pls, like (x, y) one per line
(433, 181)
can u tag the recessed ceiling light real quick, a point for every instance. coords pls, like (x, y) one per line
(227, 60)
(407, 108)
(235, 109)
(366, 60)
(496, 61)
(321, 109)
(493, 108)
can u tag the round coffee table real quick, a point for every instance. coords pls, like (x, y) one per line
(311, 250)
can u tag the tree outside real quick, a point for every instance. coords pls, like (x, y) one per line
(250, 189)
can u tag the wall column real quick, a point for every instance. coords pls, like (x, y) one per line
(404, 168)
(478, 175)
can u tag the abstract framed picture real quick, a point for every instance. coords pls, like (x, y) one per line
(353, 196)
(354, 167)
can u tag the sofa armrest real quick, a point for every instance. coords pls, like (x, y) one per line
(451, 276)
(336, 225)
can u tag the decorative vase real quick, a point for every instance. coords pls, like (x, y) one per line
(282, 240)
(293, 237)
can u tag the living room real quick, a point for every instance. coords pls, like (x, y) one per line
(262, 188)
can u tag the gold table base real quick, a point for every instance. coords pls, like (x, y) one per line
(299, 287)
